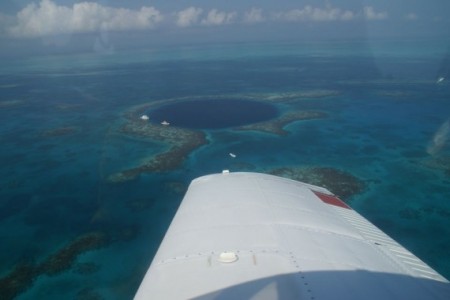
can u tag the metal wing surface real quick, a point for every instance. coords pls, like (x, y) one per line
(258, 236)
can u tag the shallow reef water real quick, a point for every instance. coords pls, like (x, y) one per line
(88, 187)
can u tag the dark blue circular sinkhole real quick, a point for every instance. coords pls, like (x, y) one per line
(213, 114)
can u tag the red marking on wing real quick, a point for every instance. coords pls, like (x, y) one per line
(330, 199)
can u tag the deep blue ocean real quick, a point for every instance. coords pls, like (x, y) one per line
(67, 232)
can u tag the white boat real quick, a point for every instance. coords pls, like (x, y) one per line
(232, 155)
(165, 123)
(144, 117)
(440, 79)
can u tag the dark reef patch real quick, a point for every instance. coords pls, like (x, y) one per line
(340, 183)
(23, 275)
(213, 114)
(65, 257)
(276, 126)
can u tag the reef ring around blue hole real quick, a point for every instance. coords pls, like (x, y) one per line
(213, 113)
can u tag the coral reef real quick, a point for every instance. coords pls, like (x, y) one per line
(277, 125)
(296, 95)
(22, 277)
(18, 280)
(65, 257)
(180, 142)
(340, 183)
(161, 162)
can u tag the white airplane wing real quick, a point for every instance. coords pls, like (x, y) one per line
(257, 236)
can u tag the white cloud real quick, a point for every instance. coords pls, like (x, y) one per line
(48, 18)
(216, 17)
(371, 14)
(188, 17)
(309, 13)
(254, 16)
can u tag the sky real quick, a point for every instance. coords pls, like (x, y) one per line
(103, 25)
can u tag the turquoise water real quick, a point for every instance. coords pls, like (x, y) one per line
(61, 139)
